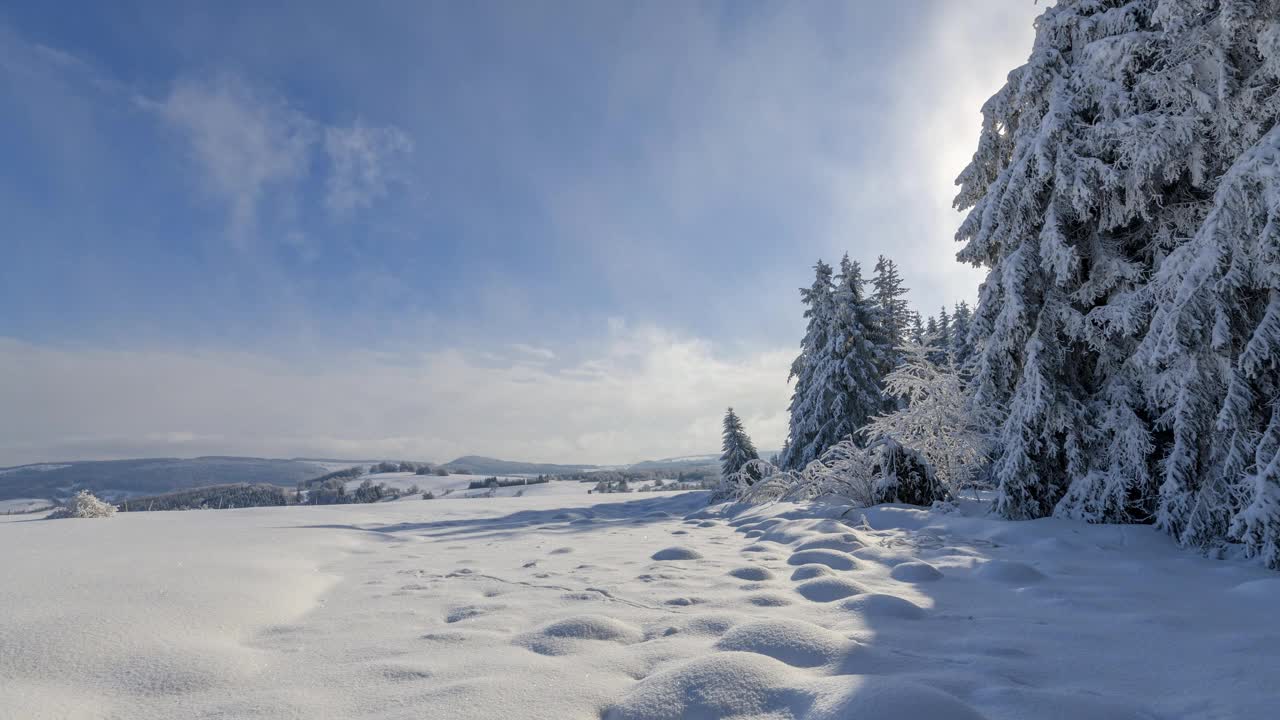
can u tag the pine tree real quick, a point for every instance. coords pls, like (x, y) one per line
(738, 449)
(1214, 348)
(889, 297)
(917, 332)
(858, 360)
(838, 387)
(940, 338)
(961, 348)
(1124, 200)
(809, 397)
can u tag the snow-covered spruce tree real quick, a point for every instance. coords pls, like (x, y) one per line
(916, 331)
(961, 348)
(810, 398)
(1098, 158)
(738, 449)
(889, 297)
(1214, 352)
(940, 338)
(860, 353)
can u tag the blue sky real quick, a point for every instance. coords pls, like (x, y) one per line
(551, 230)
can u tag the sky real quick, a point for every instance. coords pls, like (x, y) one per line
(547, 231)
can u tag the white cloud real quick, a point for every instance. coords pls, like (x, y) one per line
(637, 393)
(248, 143)
(534, 352)
(363, 164)
(244, 142)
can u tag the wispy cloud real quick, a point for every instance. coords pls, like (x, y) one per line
(244, 142)
(534, 352)
(250, 145)
(364, 163)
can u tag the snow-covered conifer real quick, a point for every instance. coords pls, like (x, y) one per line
(1094, 161)
(889, 296)
(809, 398)
(738, 448)
(940, 338)
(916, 332)
(961, 348)
(858, 356)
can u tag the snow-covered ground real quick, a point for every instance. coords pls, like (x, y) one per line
(624, 606)
(23, 505)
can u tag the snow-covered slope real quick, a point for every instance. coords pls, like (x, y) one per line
(622, 607)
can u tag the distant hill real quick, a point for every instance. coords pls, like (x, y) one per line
(477, 465)
(149, 476)
(118, 479)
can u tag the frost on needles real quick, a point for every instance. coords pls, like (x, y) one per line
(1124, 199)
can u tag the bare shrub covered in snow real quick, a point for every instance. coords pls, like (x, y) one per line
(84, 505)
(937, 420)
(844, 470)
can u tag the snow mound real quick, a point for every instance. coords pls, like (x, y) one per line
(467, 612)
(846, 542)
(793, 642)
(1009, 571)
(565, 637)
(916, 571)
(747, 685)
(708, 524)
(757, 548)
(884, 556)
(768, 600)
(751, 572)
(827, 589)
(785, 536)
(808, 572)
(717, 686)
(677, 553)
(875, 605)
(705, 624)
(831, 558)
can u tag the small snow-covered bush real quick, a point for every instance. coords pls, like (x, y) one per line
(937, 435)
(84, 505)
(844, 470)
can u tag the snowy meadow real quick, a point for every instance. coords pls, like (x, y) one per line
(636, 606)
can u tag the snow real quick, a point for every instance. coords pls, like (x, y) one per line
(553, 606)
(23, 505)
(45, 467)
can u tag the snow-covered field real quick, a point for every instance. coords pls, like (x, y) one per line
(625, 606)
(23, 505)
